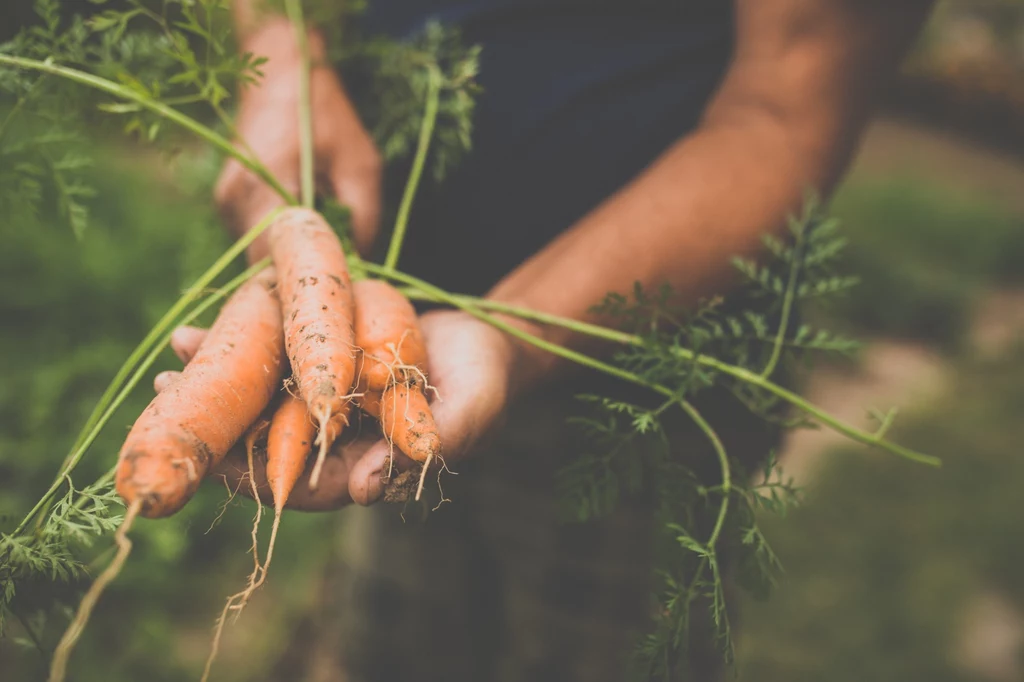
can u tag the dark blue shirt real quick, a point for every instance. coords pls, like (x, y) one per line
(578, 97)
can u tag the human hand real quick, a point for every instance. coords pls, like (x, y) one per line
(474, 371)
(347, 161)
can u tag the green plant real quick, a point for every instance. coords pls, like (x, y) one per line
(426, 88)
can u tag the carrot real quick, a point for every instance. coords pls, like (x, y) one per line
(191, 425)
(288, 444)
(392, 358)
(388, 334)
(369, 402)
(408, 423)
(316, 298)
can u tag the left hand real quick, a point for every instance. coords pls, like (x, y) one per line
(473, 370)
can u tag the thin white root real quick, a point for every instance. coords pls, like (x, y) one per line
(258, 571)
(59, 665)
(324, 442)
(250, 443)
(224, 505)
(423, 477)
(440, 490)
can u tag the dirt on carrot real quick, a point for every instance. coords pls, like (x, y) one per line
(318, 307)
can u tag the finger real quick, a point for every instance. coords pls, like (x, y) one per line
(366, 481)
(164, 379)
(185, 342)
(359, 190)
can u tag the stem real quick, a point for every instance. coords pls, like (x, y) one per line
(723, 462)
(426, 134)
(475, 306)
(308, 160)
(158, 108)
(90, 434)
(787, 307)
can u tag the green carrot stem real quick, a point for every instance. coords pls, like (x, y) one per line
(306, 154)
(422, 146)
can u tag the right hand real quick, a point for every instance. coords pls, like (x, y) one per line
(347, 161)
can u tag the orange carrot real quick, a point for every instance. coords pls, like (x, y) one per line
(392, 358)
(408, 423)
(388, 336)
(316, 298)
(370, 401)
(288, 444)
(193, 422)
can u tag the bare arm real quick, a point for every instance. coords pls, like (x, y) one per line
(786, 118)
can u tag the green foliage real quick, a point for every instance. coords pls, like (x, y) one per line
(179, 55)
(395, 100)
(702, 513)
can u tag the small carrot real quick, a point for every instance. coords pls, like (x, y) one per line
(193, 422)
(316, 297)
(392, 358)
(288, 445)
(408, 423)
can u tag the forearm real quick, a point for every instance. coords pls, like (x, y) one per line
(785, 121)
(708, 198)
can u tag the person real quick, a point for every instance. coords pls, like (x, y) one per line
(615, 143)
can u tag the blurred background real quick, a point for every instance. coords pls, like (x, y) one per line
(894, 571)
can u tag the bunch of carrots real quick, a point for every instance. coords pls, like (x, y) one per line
(291, 352)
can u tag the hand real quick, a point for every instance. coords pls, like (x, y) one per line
(472, 369)
(347, 162)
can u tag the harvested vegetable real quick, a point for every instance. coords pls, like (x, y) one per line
(191, 426)
(316, 299)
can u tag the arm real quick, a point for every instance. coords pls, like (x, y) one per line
(787, 117)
